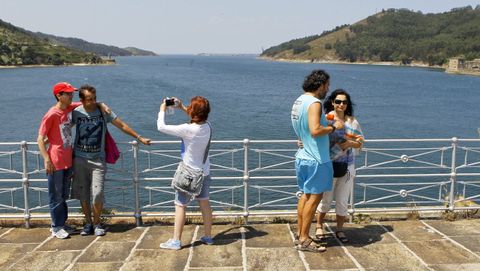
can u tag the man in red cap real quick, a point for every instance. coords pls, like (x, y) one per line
(56, 129)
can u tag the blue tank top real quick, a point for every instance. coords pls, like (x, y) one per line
(314, 148)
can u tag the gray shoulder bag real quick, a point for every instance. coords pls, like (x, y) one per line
(188, 179)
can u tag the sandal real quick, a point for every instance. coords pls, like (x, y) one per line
(341, 236)
(319, 233)
(309, 245)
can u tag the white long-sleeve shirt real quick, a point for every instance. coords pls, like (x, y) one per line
(195, 138)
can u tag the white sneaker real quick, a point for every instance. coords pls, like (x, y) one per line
(60, 234)
(171, 244)
(99, 230)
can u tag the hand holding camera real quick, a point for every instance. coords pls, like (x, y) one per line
(170, 104)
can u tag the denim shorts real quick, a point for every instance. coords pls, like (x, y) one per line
(312, 177)
(183, 199)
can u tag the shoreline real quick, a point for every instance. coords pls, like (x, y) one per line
(379, 63)
(50, 66)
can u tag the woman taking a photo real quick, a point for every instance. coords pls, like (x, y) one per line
(195, 137)
(347, 141)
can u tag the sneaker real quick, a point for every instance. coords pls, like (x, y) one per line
(99, 230)
(69, 229)
(60, 234)
(206, 240)
(87, 230)
(171, 244)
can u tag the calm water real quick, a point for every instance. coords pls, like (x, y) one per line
(251, 98)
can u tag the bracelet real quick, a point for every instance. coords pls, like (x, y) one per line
(138, 137)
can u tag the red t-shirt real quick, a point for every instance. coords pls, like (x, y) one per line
(57, 126)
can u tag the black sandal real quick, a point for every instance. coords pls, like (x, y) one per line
(309, 245)
(341, 236)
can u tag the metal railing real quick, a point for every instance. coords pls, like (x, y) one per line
(257, 177)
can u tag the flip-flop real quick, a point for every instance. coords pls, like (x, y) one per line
(309, 245)
(341, 236)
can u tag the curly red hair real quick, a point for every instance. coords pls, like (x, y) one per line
(198, 109)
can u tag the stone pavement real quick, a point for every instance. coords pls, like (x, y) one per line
(386, 245)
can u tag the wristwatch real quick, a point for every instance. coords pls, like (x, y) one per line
(331, 125)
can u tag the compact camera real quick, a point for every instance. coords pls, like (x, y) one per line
(170, 102)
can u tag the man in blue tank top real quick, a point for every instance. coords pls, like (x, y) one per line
(312, 162)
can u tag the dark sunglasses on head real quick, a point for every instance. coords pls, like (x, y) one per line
(337, 101)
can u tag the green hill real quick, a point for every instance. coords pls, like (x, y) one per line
(96, 48)
(20, 47)
(139, 52)
(394, 35)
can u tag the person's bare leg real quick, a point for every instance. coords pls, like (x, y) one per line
(87, 211)
(301, 203)
(97, 212)
(307, 215)
(207, 216)
(319, 226)
(340, 222)
(179, 222)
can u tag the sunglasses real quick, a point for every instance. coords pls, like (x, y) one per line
(89, 99)
(337, 101)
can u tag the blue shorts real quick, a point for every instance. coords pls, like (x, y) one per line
(312, 177)
(183, 199)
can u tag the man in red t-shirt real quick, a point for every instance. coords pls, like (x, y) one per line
(56, 128)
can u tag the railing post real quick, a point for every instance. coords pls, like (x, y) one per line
(136, 184)
(25, 184)
(246, 177)
(453, 175)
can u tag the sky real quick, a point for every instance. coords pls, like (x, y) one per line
(200, 26)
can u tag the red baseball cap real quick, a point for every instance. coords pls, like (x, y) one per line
(62, 87)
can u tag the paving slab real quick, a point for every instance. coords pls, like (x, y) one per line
(45, 260)
(362, 235)
(19, 235)
(157, 259)
(159, 234)
(412, 230)
(456, 228)
(124, 233)
(333, 258)
(75, 242)
(441, 252)
(3, 230)
(220, 269)
(268, 235)
(226, 250)
(391, 256)
(107, 252)
(96, 266)
(471, 242)
(276, 258)
(9, 253)
(456, 267)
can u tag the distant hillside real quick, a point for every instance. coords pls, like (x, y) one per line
(394, 35)
(97, 48)
(139, 52)
(20, 47)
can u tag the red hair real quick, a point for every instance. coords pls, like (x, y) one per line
(198, 109)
